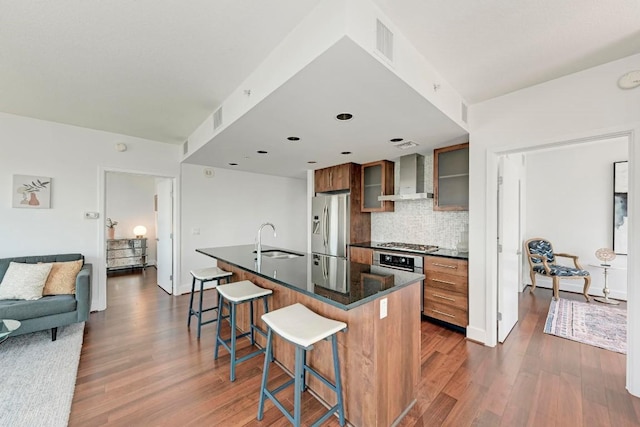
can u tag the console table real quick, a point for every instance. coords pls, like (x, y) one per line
(126, 253)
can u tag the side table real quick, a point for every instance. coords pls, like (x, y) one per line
(6, 327)
(605, 290)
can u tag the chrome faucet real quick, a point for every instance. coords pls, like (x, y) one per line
(259, 239)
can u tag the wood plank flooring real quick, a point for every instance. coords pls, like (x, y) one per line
(141, 366)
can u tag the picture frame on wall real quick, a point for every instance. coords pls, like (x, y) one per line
(620, 218)
(31, 192)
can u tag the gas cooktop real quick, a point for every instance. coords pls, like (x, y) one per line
(411, 247)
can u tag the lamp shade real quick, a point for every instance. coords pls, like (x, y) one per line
(140, 230)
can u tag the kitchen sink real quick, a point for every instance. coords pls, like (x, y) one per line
(278, 254)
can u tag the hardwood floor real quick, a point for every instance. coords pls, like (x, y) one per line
(140, 366)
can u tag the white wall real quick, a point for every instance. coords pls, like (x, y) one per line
(575, 107)
(130, 202)
(228, 208)
(576, 211)
(76, 159)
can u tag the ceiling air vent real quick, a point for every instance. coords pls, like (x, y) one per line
(384, 40)
(217, 118)
(463, 111)
(406, 144)
(185, 147)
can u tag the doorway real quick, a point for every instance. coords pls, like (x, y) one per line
(134, 199)
(568, 194)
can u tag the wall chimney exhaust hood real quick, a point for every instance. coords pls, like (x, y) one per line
(411, 180)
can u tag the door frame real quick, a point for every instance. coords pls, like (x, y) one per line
(491, 225)
(99, 302)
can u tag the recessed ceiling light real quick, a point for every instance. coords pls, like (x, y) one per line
(293, 138)
(396, 140)
(312, 162)
(233, 164)
(344, 116)
(261, 152)
(346, 152)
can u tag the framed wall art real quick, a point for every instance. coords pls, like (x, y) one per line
(620, 219)
(31, 192)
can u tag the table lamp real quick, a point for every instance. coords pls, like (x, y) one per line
(140, 231)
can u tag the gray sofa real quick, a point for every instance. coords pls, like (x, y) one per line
(49, 312)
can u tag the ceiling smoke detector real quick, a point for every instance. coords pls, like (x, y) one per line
(629, 80)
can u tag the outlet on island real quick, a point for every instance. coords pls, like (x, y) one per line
(383, 308)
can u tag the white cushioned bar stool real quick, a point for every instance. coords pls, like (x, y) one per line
(204, 275)
(231, 295)
(302, 328)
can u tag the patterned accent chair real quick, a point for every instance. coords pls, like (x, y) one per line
(542, 261)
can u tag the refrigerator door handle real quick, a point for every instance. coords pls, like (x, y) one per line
(325, 226)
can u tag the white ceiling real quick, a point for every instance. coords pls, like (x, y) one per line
(157, 68)
(383, 107)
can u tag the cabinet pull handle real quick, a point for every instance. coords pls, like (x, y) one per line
(445, 265)
(443, 313)
(330, 179)
(443, 297)
(442, 281)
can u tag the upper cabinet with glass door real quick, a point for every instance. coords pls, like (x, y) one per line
(451, 178)
(377, 180)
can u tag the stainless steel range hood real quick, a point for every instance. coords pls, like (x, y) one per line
(411, 180)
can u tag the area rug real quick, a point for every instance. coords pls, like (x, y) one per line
(591, 323)
(38, 377)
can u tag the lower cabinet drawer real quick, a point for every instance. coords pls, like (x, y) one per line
(442, 296)
(446, 313)
(445, 281)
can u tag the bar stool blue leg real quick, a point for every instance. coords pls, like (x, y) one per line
(280, 321)
(204, 275)
(231, 295)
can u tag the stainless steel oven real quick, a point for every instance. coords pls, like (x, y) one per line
(401, 261)
(398, 261)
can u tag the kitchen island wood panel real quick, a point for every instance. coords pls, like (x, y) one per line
(380, 358)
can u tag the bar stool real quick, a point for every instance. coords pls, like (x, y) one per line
(303, 328)
(231, 295)
(204, 275)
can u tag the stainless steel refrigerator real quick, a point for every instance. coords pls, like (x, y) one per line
(330, 224)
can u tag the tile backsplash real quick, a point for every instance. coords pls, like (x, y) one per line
(415, 221)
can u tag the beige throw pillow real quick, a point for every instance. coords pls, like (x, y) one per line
(24, 281)
(62, 279)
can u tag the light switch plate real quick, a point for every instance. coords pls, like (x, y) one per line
(383, 308)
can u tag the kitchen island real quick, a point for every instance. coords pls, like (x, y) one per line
(379, 354)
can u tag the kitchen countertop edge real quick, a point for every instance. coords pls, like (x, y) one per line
(336, 304)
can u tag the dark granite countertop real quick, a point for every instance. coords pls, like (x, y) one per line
(337, 281)
(442, 252)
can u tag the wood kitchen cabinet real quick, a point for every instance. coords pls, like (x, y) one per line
(336, 178)
(446, 290)
(377, 180)
(451, 178)
(361, 255)
(346, 177)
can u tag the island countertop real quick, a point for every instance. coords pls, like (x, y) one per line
(336, 281)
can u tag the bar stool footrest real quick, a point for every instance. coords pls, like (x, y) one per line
(271, 394)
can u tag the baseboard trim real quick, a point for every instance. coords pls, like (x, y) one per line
(477, 335)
